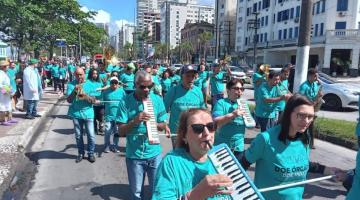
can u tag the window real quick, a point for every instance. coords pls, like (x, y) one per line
(285, 34)
(248, 10)
(292, 13)
(266, 20)
(246, 41)
(279, 16)
(266, 3)
(279, 35)
(322, 29)
(265, 37)
(262, 21)
(318, 7)
(290, 32)
(316, 29)
(297, 11)
(259, 6)
(342, 5)
(222, 6)
(254, 7)
(296, 32)
(340, 25)
(274, 18)
(323, 6)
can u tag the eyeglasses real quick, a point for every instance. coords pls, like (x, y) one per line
(114, 82)
(304, 116)
(238, 88)
(146, 86)
(199, 128)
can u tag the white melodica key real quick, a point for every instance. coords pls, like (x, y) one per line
(248, 119)
(151, 125)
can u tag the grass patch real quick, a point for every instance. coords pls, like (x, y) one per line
(337, 128)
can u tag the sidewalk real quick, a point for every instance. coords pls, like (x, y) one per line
(348, 79)
(14, 139)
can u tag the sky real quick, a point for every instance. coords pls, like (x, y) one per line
(117, 12)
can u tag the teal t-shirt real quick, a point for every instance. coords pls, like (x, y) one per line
(357, 131)
(166, 84)
(278, 163)
(80, 109)
(175, 80)
(233, 132)
(310, 90)
(111, 108)
(216, 83)
(178, 173)
(11, 72)
(55, 71)
(262, 109)
(129, 80)
(103, 76)
(109, 68)
(48, 67)
(62, 72)
(256, 77)
(137, 143)
(354, 192)
(283, 88)
(178, 99)
(202, 79)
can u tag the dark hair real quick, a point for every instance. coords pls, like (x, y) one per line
(312, 71)
(166, 71)
(295, 101)
(288, 65)
(91, 74)
(285, 69)
(112, 73)
(233, 82)
(273, 74)
(183, 126)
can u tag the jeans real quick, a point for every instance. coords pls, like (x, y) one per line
(31, 106)
(111, 129)
(57, 84)
(266, 123)
(136, 169)
(79, 130)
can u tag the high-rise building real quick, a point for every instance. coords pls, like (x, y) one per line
(175, 14)
(334, 33)
(104, 26)
(225, 26)
(126, 35)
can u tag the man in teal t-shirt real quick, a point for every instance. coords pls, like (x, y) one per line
(216, 83)
(182, 97)
(55, 76)
(283, 88)
(127, 78)
(268, 97)
(82, 113)
(141, 156)
(112, 97)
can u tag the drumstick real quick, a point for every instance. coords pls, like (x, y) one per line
(109, 101)
(296, 183)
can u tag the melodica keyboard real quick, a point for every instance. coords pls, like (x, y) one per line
(225, 163)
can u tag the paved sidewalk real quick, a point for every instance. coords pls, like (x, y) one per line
(13, 139)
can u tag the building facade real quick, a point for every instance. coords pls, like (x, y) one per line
(225, 27)
(126, 35)
(175, 14)
(335, 34)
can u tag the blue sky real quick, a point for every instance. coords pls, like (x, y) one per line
(117, 12)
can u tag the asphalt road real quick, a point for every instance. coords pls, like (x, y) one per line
(347, 114)
(58, 177)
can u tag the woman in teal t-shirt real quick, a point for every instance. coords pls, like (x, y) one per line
(229, 118)
(282, 153)
(165, 82)
(186, 172)
(96, 85)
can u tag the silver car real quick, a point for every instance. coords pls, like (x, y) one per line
(238, 73)
(339, 95)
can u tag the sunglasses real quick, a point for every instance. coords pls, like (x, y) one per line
(199, 128)
(114, 82)
(238, 88)
(146, 86)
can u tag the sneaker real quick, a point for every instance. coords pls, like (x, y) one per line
(37, 115)
(115, 150)
(29, 117)
(13, 121)
(106, 150)
(79, 158)
(91, 158)
(6, 123)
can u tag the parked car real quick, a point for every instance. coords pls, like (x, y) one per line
(238, 73)
(339, 95)
(176, 67)
(247, 69)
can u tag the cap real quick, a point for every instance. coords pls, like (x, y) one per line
(131, 66)
(4, 63)
(187, 68)
(33, 61)
(114, 79)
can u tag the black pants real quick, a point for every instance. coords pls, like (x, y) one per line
(99, 119)
(56, 84)
(62, 85)
(311, 134)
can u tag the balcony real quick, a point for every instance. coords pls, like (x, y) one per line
(343, 35)
(286, 43)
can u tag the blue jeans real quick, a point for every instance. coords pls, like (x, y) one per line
(136, 169)
(111, 129)
(266, 123)
(79, 130)
(31, 106)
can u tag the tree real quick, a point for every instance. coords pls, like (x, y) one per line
(205, 37)
(160, 52)
(186, 50)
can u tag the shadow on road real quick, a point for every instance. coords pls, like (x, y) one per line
(116, 191)
(318, 191)
(64, 131)
(48, 154)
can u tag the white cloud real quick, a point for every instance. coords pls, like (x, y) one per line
(101, 17)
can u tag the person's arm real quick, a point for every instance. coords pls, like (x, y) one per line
(318, 168)
(222, 118)
(274, 99)
(255, 151)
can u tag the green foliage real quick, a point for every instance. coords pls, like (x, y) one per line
(186, 50)
(35, 25)
(205, 37)
(337, 128)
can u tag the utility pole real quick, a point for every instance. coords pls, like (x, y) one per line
(228, 24)
(302, 54)
(217, 29)
(253, 24)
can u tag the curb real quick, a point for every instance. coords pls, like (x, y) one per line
(338, 141)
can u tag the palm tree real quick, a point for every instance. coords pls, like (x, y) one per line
(187, 49)
(205, 37)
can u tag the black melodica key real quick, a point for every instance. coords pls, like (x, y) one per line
(220, 155)
(232, 177)
(241, 185)
(230, 165)
(222, 158)
(233, 171)
(251, 196)
(227, 163)
(248, 187)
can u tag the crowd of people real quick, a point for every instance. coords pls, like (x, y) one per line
(194, 106)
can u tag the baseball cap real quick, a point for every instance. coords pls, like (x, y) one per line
(187, 68)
